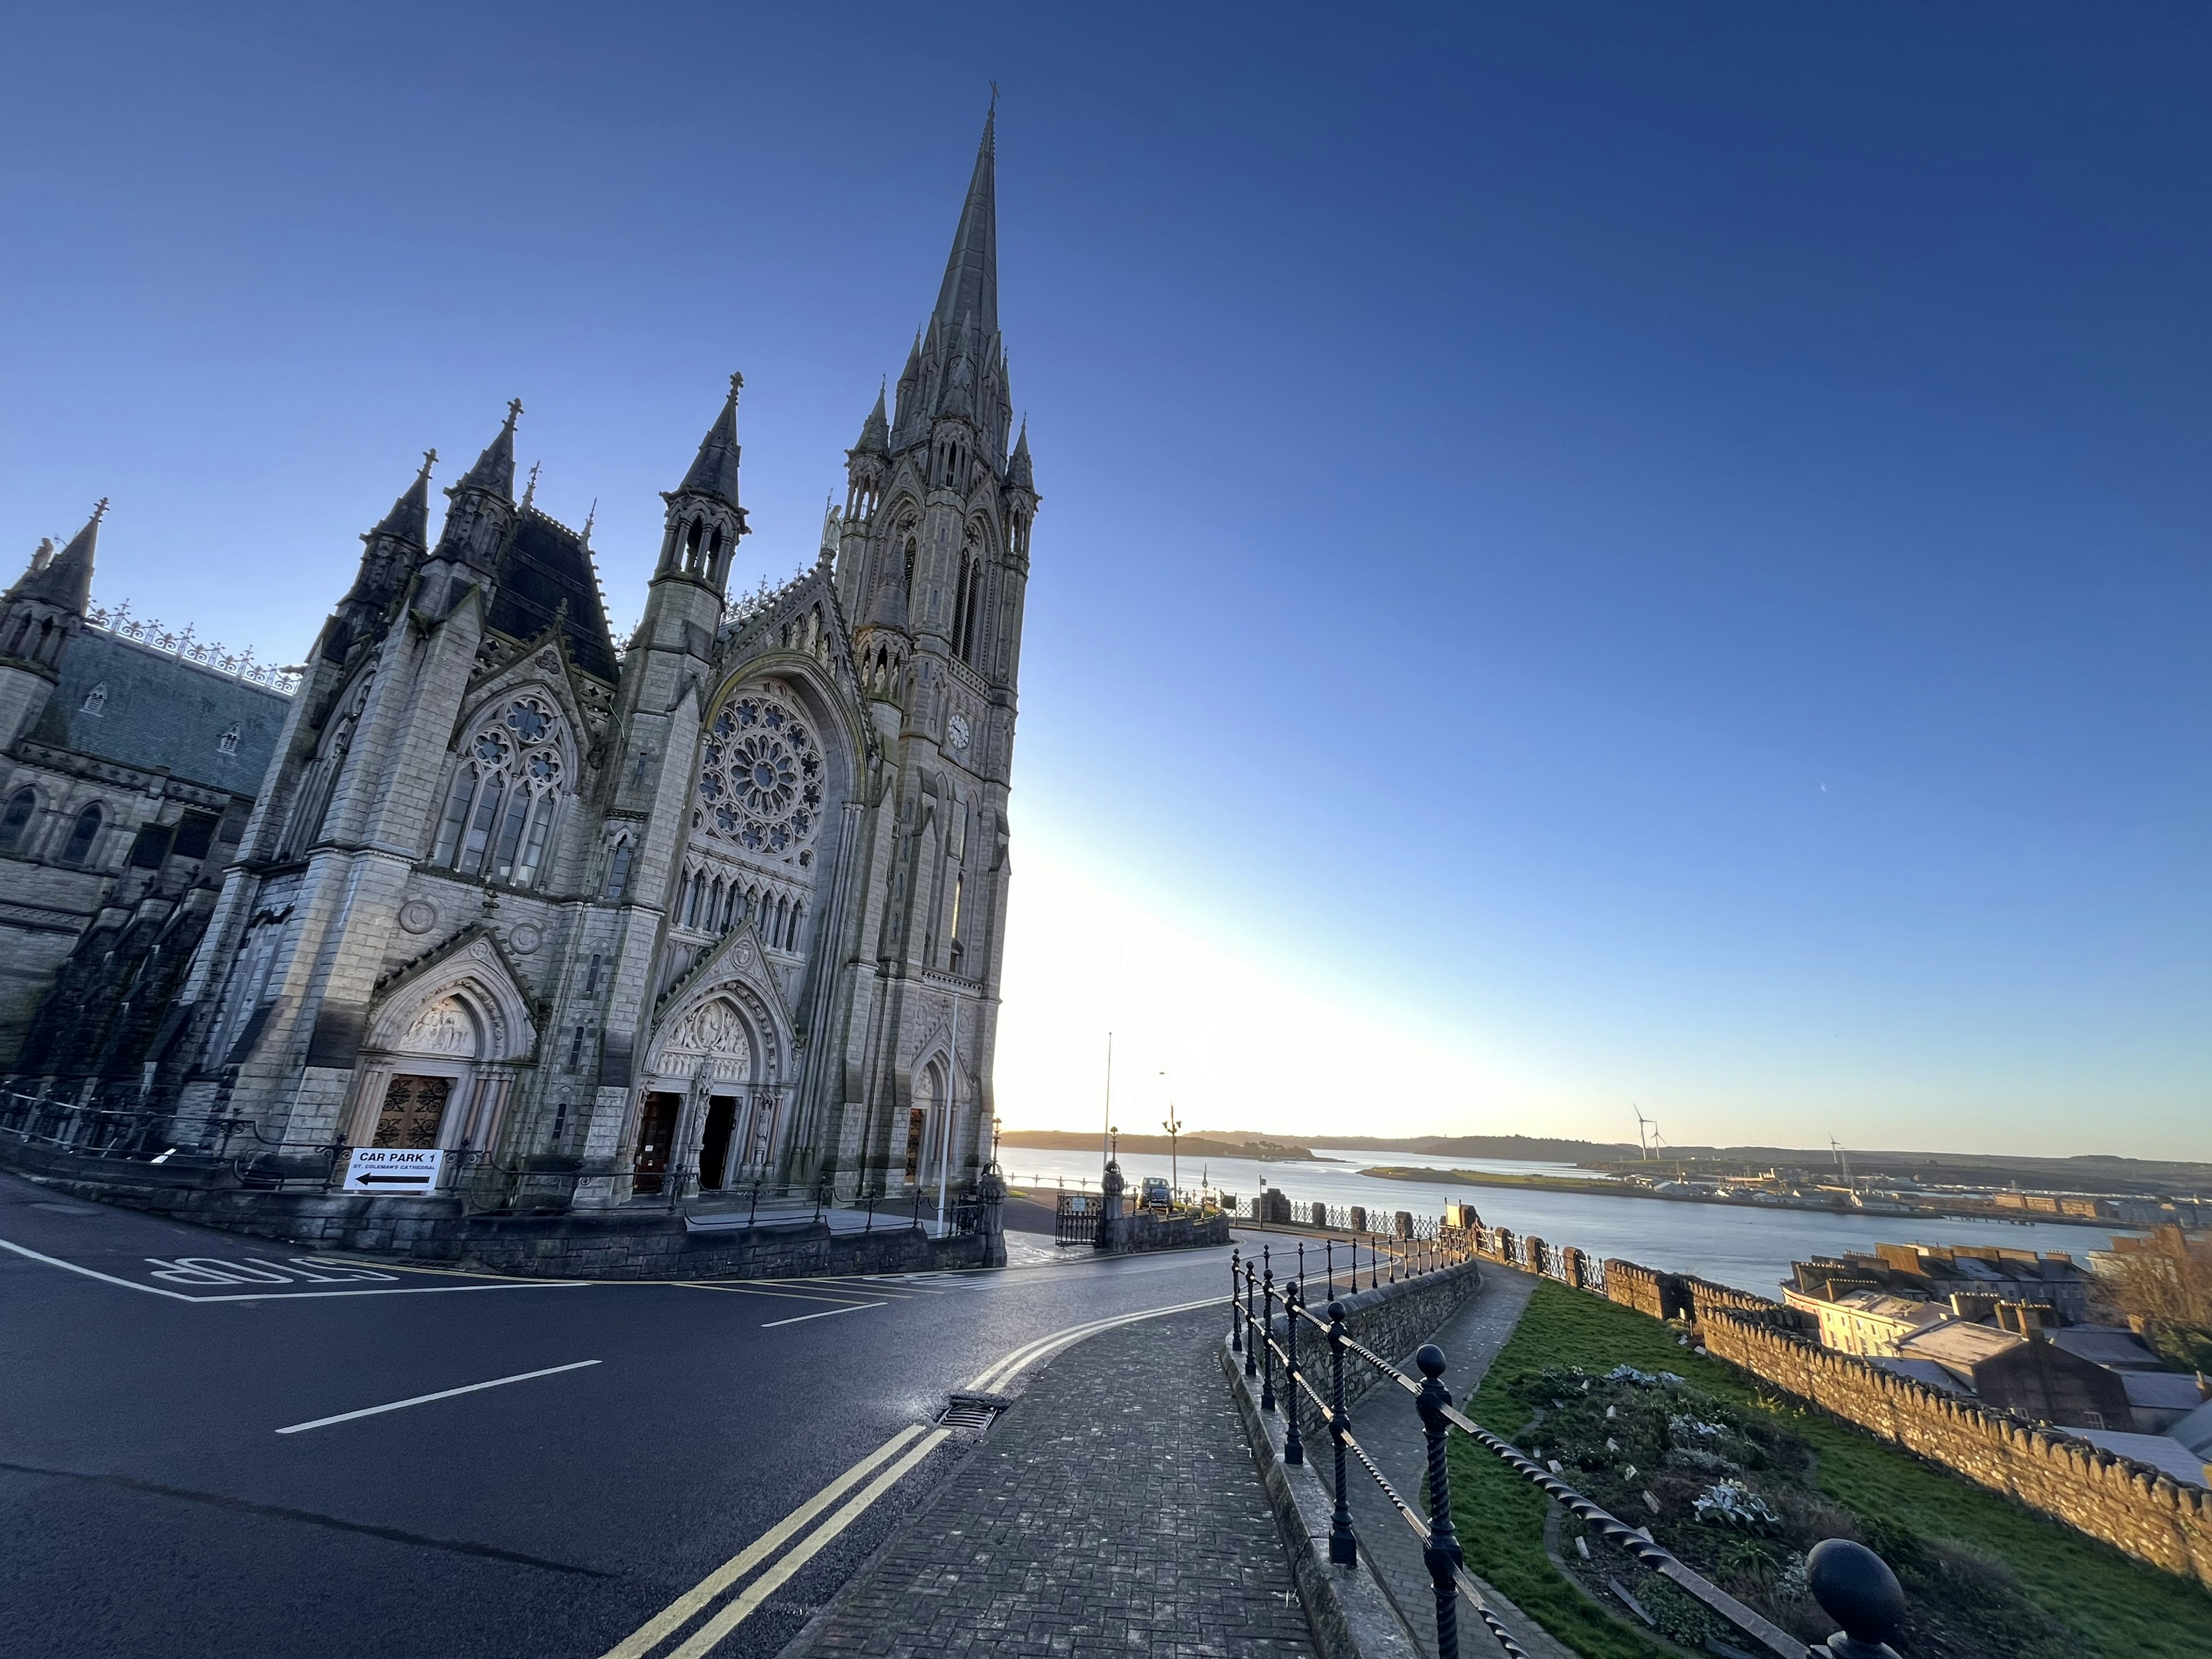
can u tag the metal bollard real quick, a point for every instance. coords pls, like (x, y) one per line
(1267, 1338)
(1343, 1548)
(1443, 1555)
(1294, 1448)
(1329, 1264)
(1235, 1326)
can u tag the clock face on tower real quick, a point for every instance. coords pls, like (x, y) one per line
(956, 729)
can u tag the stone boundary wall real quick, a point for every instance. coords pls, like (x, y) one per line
(2142, 1510)
(1647, 1289)
(603, 1244)
(1391, 1320)
(1144, 1230)
(1707, 1297)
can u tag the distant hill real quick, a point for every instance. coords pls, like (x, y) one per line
(1534, 1149)
(1260, 1147)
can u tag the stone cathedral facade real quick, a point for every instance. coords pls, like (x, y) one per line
(724, 904)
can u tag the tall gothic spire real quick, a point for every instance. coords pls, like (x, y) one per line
(494, 473)
(875, 431)
(409, 518)
(968, 297)
(715, 471)
(66, 579)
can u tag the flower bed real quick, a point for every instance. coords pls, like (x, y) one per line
(1977, 1568)
(1731, 1492)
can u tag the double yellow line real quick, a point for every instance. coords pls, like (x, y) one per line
(688, 1605)
(880, 1470)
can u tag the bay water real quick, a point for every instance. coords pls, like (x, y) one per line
(1748, 1247)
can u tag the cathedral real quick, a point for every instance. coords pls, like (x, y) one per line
(608, 924)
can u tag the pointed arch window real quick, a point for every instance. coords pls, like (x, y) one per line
(17, 818)
(95, 701)
(82, 835)
(505, 794)
(617, 875)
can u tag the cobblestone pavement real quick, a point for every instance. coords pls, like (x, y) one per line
(1386, 1424)
(1112, 1510)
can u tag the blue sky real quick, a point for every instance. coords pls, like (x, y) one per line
(1589, 555)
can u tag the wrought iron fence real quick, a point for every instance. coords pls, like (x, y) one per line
(1851, 1584)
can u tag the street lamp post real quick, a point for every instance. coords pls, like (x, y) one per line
(1173, 1125)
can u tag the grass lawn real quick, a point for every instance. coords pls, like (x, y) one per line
(2118, 1606)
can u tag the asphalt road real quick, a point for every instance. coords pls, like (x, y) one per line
(169, 1486)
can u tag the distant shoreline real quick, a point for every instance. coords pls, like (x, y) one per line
(1199, 1146)
(1630, 1190)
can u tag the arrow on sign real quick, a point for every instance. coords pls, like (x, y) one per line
(394, 1181)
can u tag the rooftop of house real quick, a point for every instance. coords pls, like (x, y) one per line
(2160, 1451)
(1924, 1371)
(2108, 1345)
(2163, 1390)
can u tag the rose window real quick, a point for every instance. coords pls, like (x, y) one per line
(760, 783)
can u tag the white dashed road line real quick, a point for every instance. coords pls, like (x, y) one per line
(442, 1394)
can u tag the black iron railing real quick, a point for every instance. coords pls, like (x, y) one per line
(1851, 1584)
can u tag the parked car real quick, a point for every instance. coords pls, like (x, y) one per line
(1155, 1193)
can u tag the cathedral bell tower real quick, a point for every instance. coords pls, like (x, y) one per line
(38, 617)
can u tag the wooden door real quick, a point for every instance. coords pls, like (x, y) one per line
(656, 1130)
(413, 1109)
(915, 1119)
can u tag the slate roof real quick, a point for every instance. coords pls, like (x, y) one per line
(2159, 1451)
(545, 563)
(2162, 1390)
(2107, 1344)
(2195, 1430)
(1924, 1371)
(161, 713)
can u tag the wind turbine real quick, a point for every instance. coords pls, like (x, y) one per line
(1647, 1133)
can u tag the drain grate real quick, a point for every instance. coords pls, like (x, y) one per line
(974, 1411)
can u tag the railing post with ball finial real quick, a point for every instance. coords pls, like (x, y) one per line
(1856, 1587)
(1343, 1548)
(1442, 1557)
(1266, 1337)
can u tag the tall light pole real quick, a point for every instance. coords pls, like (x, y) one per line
(1106, 1141)
(1173, 1125)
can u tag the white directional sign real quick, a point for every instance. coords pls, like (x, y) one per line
(390, 1170)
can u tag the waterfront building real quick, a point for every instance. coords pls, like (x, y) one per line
(721, 903)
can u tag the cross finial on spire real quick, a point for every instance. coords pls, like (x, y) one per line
(513, 410)
(100, 511)
(589, 517)
(530, 490)
(737, 383)
(429, 461)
